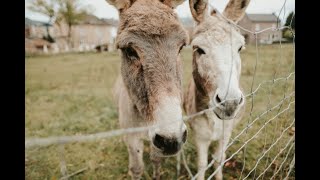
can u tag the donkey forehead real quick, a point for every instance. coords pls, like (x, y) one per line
(217, 32)
(151, 18)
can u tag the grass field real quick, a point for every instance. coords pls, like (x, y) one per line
(70, 94)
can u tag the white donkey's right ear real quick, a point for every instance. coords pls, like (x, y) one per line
(236, 9)
(121, 5)
(199, 9)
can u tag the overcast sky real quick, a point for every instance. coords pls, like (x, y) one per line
(103, 10)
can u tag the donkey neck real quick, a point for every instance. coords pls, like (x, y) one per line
(202, 98)
(201, 88)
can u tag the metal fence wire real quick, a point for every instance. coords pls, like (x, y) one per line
(274, 155)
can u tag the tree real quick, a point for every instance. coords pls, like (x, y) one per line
(46, 8)
(71, 14)
(62, 11)
(290, 21)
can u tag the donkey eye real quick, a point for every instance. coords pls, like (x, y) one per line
(130, 53)
(182, 47)
(240, 49)
(200, 51)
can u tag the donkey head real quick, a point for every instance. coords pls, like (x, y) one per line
(216, 56)
(150, 38)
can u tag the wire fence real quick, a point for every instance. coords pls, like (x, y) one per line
(273, 153)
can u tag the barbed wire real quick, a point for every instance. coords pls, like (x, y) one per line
(31, 142)
(82, 138)
(284, 160)
(265, 152)
(61, 140)
(291, 166)
(289, 142)
(186, 164)
(285, 90)
(245, 143)
(255, 33)
(249, 31)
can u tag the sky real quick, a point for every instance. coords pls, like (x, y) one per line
(103, 10)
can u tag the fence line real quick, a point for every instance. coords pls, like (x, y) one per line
(31, 142)
(265, 152)
(285, 88)
(249, 31)
(245, 143)
(291, 166)
(291, 139)
(283, 161)
(255, 33)
(61, 140)
(257, 118)
(82, 138)
(222, 163)
(252, 102)
(186, 164)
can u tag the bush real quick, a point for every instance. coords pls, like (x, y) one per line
(49, 39)
(288, 34)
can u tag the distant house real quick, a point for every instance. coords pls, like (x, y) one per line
(35, 29)
(87, 35)
(34, 32)
(37, 45)
(258, 22)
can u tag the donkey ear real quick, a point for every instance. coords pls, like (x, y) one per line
(236, 9)
(198, 9)
(121, 5)
(172, 3)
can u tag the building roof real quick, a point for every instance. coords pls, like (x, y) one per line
(91, 19)
(88, 19)
(263, 17)
(29, 22)
(113, 22)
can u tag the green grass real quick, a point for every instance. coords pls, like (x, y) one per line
(70, 94)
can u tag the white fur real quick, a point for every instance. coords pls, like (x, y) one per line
(223, 57)
(221, 65)
(168, 118)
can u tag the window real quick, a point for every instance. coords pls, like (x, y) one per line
(32, 31)
(273, 26)
(82, 33)
(257, 27)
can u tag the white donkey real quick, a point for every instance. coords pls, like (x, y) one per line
(216, 73)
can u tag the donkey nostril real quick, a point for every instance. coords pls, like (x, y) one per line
(159, 141)
(169, 146)
(218, 99)
(229, 112)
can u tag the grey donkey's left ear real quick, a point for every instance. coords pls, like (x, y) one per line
(236, 9)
